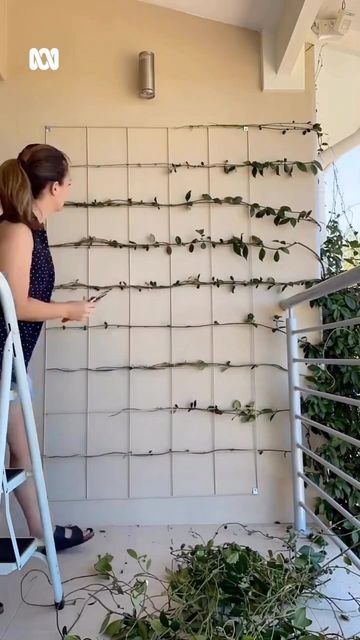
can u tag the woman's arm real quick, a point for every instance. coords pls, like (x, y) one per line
(16, 249)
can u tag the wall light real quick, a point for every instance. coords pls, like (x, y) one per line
(147, 75)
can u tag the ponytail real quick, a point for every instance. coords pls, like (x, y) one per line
(23, 180)
(16, 195)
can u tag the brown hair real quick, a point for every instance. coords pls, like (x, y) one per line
(23, 179)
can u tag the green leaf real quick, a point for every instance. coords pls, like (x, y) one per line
(157, 627)
(132, 554)
(256, 240)
(245, 251)
(169, 250)
(113, 629)
(105, 623)
(347, 561)
(188, 196)
(262, 254)
(178, 240)
(276, 256)
(103, 565)
(301, 166)
(164, 620)
(152, 238)
(351, 302)
(300, 620)
(232, 556)
(71, 638)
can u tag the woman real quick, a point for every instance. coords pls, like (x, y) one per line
(32, 188)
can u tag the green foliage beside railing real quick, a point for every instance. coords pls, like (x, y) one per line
(339, 252)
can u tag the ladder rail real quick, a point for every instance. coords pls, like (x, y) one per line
(8, 306)
(5, 384)
(10, 525)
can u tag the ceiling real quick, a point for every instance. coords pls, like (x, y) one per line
(251, 14)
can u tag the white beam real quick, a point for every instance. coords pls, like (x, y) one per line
(332, 154)
(3, 39)
(272, 81)
(294, 25)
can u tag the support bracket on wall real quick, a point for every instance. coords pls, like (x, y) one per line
(3, 39)
(283, 49)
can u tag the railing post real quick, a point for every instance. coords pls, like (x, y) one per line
(295, 424)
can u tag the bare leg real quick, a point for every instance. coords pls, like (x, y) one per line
(20, 458)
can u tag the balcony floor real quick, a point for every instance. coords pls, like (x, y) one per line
(21, 621)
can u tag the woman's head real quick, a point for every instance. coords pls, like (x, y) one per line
(34, 185)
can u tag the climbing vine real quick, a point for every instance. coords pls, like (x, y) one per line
(281, 215)
(278, 167)
(237, 243)
(339, 251)
(191, 281)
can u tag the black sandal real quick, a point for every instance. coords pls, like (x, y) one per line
(77, 537)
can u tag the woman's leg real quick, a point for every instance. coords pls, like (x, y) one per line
(20, 458)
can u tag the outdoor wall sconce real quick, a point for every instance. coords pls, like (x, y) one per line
(147, 75)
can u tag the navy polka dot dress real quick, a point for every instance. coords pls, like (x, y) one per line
(42, 279)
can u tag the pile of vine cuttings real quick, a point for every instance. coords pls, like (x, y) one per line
(219, 591)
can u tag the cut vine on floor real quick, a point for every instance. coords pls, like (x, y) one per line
(214, 590)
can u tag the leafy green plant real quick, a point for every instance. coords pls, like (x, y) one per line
(338, 253)
(215, 591)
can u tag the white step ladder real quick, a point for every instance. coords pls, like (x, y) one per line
(16, 552)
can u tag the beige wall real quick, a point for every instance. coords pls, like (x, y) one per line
(205, 73)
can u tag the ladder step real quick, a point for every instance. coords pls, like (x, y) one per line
(15, 477)
(27, 547)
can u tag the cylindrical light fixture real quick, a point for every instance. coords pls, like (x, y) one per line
(147, 75)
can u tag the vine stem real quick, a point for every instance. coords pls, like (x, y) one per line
(191, 281)
(200, 364)
(106, 325)
(157, 454)
(92, 241)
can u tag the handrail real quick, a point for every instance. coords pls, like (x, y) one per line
(331, 285)
(298, 421)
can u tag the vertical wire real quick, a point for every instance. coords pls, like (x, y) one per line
(212, 369)
(88, 321)
(170, 330)
(252, 329)
(129, 317)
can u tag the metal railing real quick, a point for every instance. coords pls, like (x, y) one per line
(296, 390)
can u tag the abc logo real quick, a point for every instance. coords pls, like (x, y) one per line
(43, 59)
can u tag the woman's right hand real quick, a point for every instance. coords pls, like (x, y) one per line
(79, 311)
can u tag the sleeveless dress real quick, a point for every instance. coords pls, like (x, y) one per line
(42, 280)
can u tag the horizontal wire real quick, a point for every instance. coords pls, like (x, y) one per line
(107, 325)
(164, 453)
(199, 364)
(190, 282)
